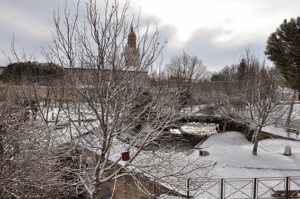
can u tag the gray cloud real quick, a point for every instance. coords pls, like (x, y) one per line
(202, 44)
(216, 56)
(31, 22)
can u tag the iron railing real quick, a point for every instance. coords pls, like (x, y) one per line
(244, 188)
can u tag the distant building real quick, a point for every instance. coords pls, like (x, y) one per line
(87, 73)
(132, 54)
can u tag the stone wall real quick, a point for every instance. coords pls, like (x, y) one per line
(233, 126)
(135, 186)
(127, 187)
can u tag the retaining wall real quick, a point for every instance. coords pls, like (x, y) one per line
(245, 129)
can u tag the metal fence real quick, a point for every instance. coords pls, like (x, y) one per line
(244, 188)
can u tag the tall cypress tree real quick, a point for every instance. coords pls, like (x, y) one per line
(283, 48)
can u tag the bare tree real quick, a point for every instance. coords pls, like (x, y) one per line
(186, 68)
(184, 72)
(225, 81)
(255, 100)
(108, 104)
(30, 152)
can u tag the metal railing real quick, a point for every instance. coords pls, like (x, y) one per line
(244, 188)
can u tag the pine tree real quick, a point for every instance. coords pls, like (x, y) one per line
(283, 48)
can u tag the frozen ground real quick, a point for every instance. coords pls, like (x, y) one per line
(233, 153)
(280, 131)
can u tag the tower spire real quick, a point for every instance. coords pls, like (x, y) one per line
(132, 38)
(132, 54)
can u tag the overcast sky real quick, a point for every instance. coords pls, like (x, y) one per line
(217, 31)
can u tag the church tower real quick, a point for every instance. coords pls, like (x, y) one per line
(132, 39)
(132, 54)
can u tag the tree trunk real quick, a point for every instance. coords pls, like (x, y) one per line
(288, 119)
(224, 126)
(95, 193)
(256, 136)
(97, 184)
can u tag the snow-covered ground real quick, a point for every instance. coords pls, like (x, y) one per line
(233, 153)
(231, 150)
(280, 131)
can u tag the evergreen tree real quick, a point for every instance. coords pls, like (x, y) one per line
(241, 70)
(34, 71)
(283, 48)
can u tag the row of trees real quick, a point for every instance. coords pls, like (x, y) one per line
(250, 91)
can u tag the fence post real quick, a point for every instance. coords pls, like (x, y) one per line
(287, 187)
(222, 188)
(254, 187)
(188, 189)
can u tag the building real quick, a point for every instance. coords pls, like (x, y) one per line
(130, 68)
(132, 54)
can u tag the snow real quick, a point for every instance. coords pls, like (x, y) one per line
(197, 128)
(236, 164)
(165, 196)
(200, 129)
(175, 131)
(233, 153)
(280, 131)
